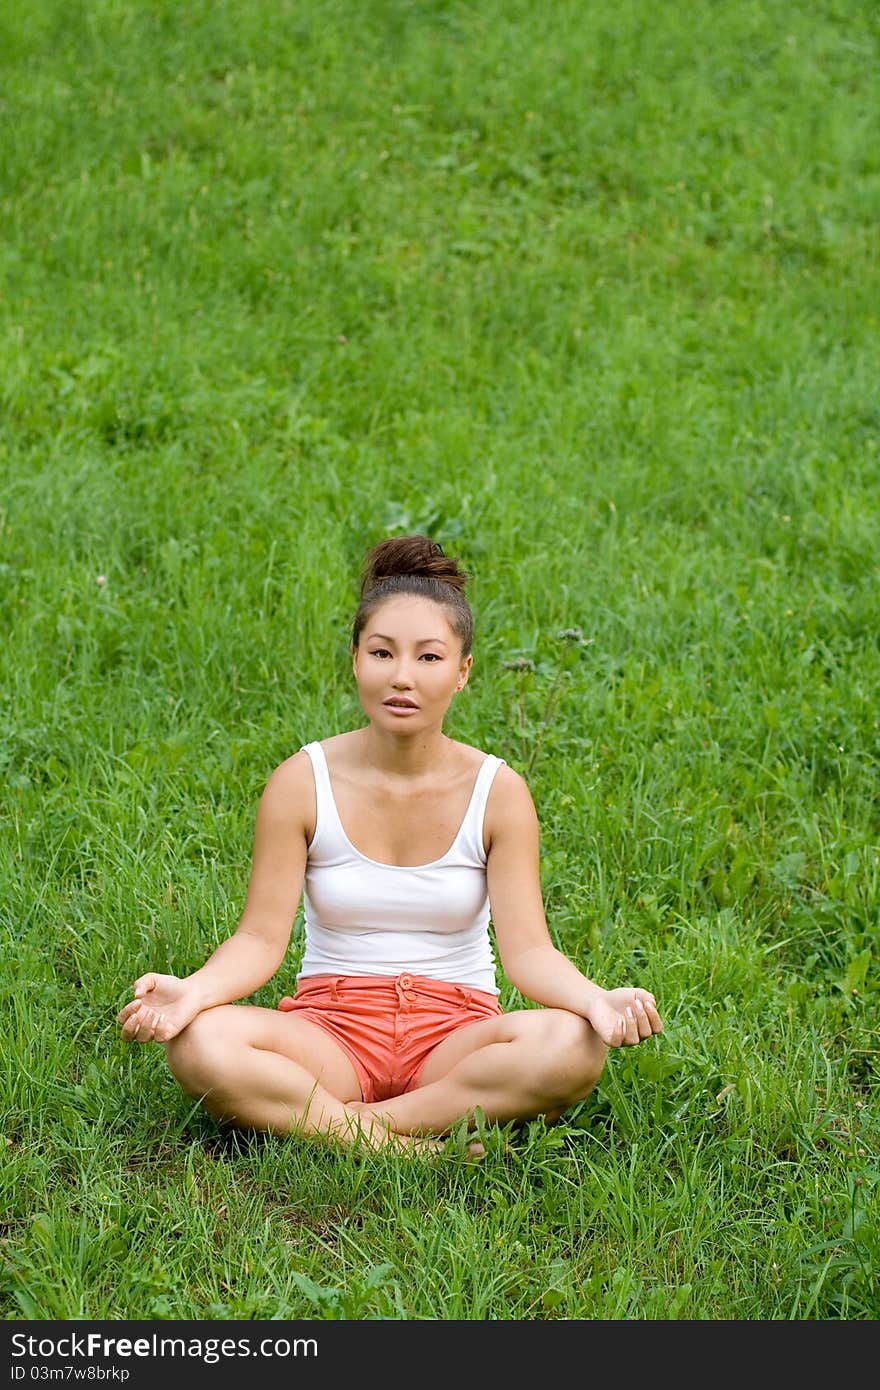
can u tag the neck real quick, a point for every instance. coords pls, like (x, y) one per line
(404, 757)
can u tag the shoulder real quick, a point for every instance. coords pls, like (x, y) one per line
(294, 771)
(510, 809)
(509, 787)
(288, 797)
(469, 758)
(505, 780)
(342, 752)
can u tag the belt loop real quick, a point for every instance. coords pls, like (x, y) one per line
(334, 988)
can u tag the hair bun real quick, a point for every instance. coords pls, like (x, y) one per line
(410, 555)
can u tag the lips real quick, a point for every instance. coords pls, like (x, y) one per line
(401, 704)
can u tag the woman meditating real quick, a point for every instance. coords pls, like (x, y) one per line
(404, 844)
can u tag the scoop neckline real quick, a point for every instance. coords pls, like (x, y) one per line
(378, 863)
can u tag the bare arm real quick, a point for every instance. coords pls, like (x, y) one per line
(251, 956)
(530, 960)
(164, 1004)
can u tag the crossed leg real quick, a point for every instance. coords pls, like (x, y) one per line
(525, 1063)
(256, 1069)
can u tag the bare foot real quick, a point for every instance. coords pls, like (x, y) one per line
(366, 1129)
(377, 1134)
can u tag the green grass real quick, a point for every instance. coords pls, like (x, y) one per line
(590, 296)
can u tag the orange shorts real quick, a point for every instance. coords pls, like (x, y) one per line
(387, 1026)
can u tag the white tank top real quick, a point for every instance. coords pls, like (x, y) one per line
(367, 918)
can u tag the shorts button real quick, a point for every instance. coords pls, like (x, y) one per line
(405, 981)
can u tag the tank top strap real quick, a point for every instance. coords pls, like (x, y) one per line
(471, 833)
(326, 818)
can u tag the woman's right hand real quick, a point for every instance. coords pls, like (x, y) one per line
(163, 1005)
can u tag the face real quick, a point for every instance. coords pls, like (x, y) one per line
(408, 665)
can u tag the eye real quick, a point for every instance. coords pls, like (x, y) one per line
(380, 651)
(430, 656)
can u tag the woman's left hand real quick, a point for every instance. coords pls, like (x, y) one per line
(623, 1017)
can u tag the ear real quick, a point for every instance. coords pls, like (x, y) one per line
(464, 671)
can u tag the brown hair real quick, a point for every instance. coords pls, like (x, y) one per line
(414, 565)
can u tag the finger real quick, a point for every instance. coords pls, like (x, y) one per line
(132, 1030)
(641, 1019)
(149, 1024)
(614, 1036)
(135, 1028)
(129, 1024)
(632, 1029)
(656, 1020)
(144, 985)
(147, 1030)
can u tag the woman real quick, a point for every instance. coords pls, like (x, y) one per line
(404, 843)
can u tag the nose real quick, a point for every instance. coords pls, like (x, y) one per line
(402, 679)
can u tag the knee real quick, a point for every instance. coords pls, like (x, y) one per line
(193, 1056)
(571, 1057)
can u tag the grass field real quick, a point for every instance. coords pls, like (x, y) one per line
(590, 294)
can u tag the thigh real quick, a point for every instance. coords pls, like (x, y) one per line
(531, 1025)
(218, 1035)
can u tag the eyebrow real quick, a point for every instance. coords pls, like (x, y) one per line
(422, 642)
